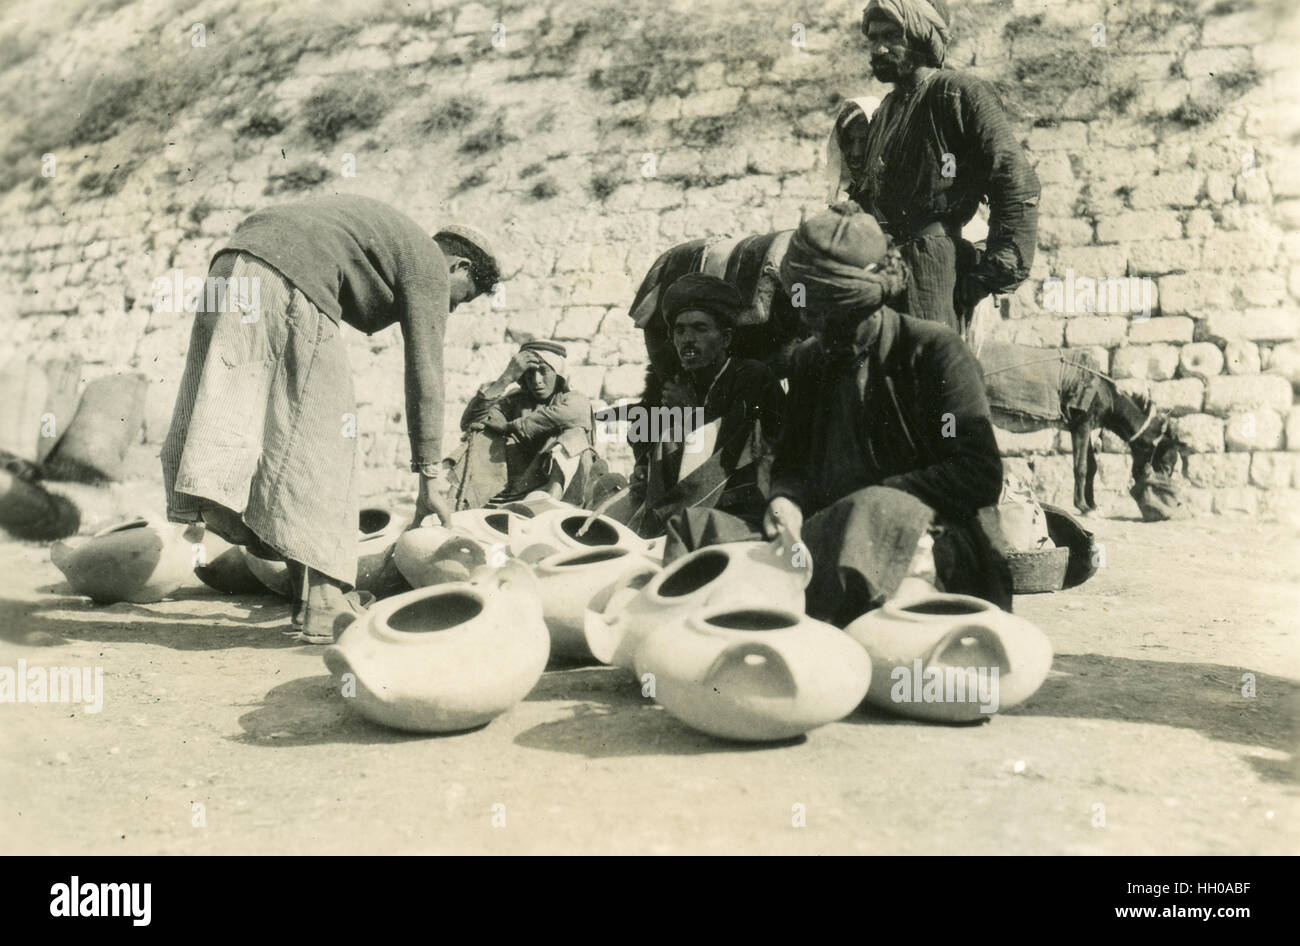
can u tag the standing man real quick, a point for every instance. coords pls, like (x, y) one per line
(262, 445)
(938, 145)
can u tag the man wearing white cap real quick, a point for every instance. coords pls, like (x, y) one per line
(546, 426)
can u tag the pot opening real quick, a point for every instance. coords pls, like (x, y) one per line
(944, 608)
(519, 509)
(436, 613)
(374, 520)
(694, 573)
(500, 521)
(753, 619)
(591, 558)
(600, 532)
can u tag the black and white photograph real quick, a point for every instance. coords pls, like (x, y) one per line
(650, 427)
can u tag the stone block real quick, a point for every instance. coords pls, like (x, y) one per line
(1274, 470)
(1217, 470)
(665, 108)
(1241, 357)
(1170, 328)
(1173, 189)
(1193, 293)
(1227, 393)
(1014, 445)
(1284, 361)
(1200, 360)
(1182, 396)
(1252, 324)
(1156, 258)
(1293, 429)
(624, 381)
(1201, 433)
(1057, 231)
(716, 102)
(1258, 429)
(1067, 136)
(1240, 252)
(781, 156)
(1034, 332)
(1084, 331)
(1216, 61)
(1091, 261)
(1236, 501)
(1145, 226)
(1282, 505)
(1245, 28)
(1149, 362)
(579, 322)
(531, 324)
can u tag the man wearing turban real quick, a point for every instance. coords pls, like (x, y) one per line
(886, 443)
(936, 147)
(730, 410)
(541, 428)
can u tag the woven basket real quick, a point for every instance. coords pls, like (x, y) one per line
(1038, 571)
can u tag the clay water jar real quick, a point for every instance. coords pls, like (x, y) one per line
(376, 570)
(273, 576)
(754, 673)
(223, 568)
(951, 637)
(28, 511)
(558, 531)
(575, 585)
(753, 574)
(432, 553)
(141, 561)
(443, 659)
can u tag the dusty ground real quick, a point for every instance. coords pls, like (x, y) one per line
(207, 703)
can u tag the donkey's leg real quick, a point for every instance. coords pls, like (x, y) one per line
(1081, 442)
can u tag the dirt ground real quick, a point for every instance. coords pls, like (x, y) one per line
(208, 704)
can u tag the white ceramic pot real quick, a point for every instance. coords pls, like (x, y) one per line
(376, 571)
(951, 657)
(442, 659)
(574, 585)
(754, 574)
(753, 673)
(433, 554)
(142, 560)
(558, 531)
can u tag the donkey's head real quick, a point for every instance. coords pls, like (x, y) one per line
(1156, 454)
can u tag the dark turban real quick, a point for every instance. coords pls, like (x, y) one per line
(843, 260)
(925, 23)
(703, 293)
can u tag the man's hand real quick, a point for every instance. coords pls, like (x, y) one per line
(783, 516)
(493, 422)
(429, 499)
(520, 363)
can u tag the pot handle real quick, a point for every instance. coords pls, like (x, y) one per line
(985, 635)
(750, 664)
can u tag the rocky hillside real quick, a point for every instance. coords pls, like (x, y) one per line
(591, 135)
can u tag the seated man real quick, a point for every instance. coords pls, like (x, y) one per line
(887, 438)
(543, 433)
(730, 414)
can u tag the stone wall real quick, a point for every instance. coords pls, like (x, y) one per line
(592, 136)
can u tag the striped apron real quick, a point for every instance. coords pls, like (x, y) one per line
(265, 420)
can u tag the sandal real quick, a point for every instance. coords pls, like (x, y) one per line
(325, 628)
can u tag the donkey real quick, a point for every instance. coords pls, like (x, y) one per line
(1033, 388)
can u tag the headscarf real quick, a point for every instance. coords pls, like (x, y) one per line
(843, 260)
(552, 353)
(704, 293)
(925, 23)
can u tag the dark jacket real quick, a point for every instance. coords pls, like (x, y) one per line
(934, 165)
(922, 426)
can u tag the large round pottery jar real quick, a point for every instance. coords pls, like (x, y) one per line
(754, 673)
(558, 531)
(951, 657)
(491, 527)
(574, 584)
(141, 561)
(433, 554)
(376, 571)
(442, 659)
(223, 568)
(754, 574)
(274, 576)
